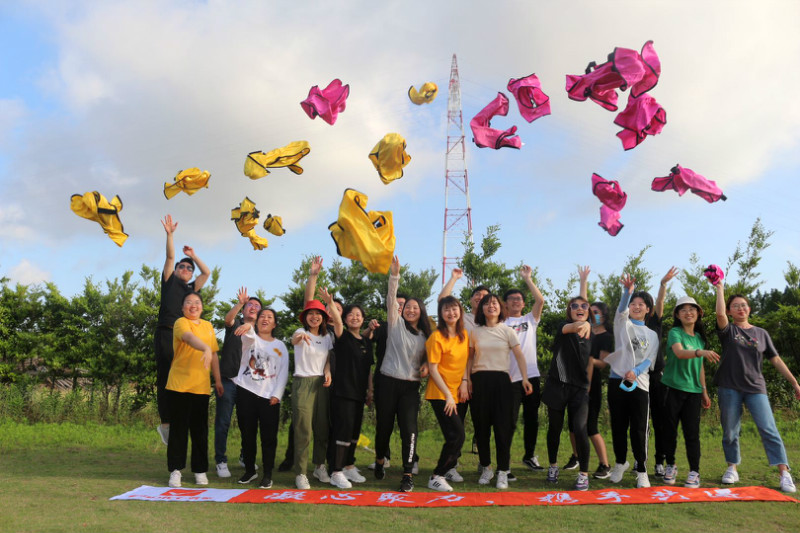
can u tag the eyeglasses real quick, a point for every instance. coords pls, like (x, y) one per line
(253, 304)
(576, 306)
(688, 309)
(184, 266)
(515, 299)
(739, 306)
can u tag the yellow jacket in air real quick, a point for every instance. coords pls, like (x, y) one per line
(389, 157)
(189, 181)
(246, 219)
(426, 94)
(364, 236)
(257, 163)
(274, 225)
(94, 206)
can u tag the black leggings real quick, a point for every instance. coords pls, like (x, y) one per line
(683, 407)
(530, 414)
(399, 399)
(453, 431)
(346, 418)
(560, 397)
(491, 410)
(254, 411)
(629, 410)
(658, 414)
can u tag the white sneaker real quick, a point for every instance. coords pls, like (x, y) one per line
(163, 432)
(787, 484)
(200, 478)
(222, 470)
(439, 483)
(642, 480)
(454, 476)
(670, 473)
(502, 479)
(692, 480)
(301, 482)
(352, 474)
(321, 473)
(385, 464)
(175, 478)
(486, 475)
(414, 468)
(338, 480)
(618, 471)
(730, 476)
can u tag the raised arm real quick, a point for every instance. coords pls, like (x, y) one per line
(628, 283)
(583, 276)
(538, 300)
(392, 314)
(205, 273)
(333, 312)
(230, 316)
(662, 292)
(169, 262)
(447, 290)
(722, 315)
(311, 282)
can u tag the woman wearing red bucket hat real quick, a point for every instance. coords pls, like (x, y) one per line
(310, 395)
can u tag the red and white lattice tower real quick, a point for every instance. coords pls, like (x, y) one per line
(457, 210)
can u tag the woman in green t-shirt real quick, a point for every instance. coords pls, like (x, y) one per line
(685, 382)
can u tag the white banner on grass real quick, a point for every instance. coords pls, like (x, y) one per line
(166, 494)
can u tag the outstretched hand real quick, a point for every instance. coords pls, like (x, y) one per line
(526, 272)
(394, 270)
(188, 251)
(242, 296)
(628, 282)
(169, 225)
(583, 273)
(673, 271)
(316, 265)
(457, 273)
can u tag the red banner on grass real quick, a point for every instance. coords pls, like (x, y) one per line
(460, 499)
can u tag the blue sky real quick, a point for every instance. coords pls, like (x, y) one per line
(119, 96)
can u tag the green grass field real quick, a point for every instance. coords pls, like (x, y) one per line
(59, 477)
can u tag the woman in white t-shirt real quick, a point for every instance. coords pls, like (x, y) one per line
(262, 377)
(310, 395)
(490, 344)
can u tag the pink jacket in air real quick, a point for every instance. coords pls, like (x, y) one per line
(609, 220)
(326, 103)
(609, 192)
(487, 137)
(642, 117)
(624, 68)
(532, 102)
(683, 179)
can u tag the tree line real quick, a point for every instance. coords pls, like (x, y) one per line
(101, 339)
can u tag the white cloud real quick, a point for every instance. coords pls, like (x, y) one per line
(26, 273)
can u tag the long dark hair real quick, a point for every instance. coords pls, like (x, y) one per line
(423, 324)
(441, 326)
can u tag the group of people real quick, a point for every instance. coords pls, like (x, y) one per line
(483, 362)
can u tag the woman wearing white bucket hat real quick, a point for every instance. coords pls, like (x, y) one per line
(685, 381)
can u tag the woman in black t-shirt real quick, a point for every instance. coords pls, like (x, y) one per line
(351, 388)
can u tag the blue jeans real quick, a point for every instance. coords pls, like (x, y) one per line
(730, 407)
(222, 420)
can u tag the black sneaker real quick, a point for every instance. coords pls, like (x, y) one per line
(510, 477)
(602, 472)
(285, 466)
(572, 464)
(247, 478)
(266, 483)
(532, 463)
(380, 471)
(406, 484)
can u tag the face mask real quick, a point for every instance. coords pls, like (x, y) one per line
(598, 319)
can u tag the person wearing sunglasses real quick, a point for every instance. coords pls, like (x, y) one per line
(175, 285)
(629, 380)
(567, 388)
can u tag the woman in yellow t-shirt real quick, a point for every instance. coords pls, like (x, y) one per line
(448, 352)
(188, 389)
